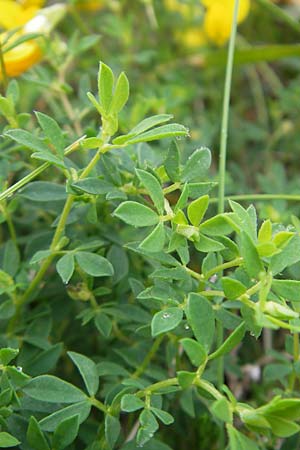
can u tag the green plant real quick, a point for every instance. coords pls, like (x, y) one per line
(149, 294)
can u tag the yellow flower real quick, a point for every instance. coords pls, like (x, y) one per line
(193, 37)
(20, 58)
(218, 18)
(177, 6)
(16, 14)
(89, 5)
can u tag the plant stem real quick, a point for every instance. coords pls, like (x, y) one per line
(279, 13)
(222, 176)
(150, 355)
(260, 197)
(15, 187)
(235, 262)
(55, 241)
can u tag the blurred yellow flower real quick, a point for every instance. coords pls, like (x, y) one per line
(90, 5)
(15, 14)
(218, 18)
(20, 58)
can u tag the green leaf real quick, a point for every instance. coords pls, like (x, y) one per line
(52, 132)
(143, 126)
(7, 440)
(233, 288)
(105, 86)
(289, 289)
(165, 131)
(28, 140)
(35, 436)
(265, 231)
(282, 427)
(7, 355)
(221, 409)
(103, 324)
(166, 320)
(289, 255)
(238, 441)
(185, 379)
(136, 214)
(149, 426)
(244, 219)
(130, 403)
(163, 416)
(88, 371)
(201, 318)
(39, 256)
(65, 432)
(94, 265)
(82, 409)
(58, 391)
(218, 225)
(197, 165)
(44, 361)
(153, 187)
(65, 267)
(206, 244)
(172, 162)
(155, 241)
(44, 191)
(120, 95)
(195, 351)
(112, 430)
(93, 186)
(50, 158)
(197, 209)
(232, 341)
(252, 262)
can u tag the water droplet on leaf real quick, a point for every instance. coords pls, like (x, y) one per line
(166, 315)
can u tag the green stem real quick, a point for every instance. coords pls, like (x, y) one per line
(260, 197)
(157, 386)
(148, 358)
(235, 262)
(15, 187)
(296, 355)
(99, 405)
(225, 114)
(56, 238)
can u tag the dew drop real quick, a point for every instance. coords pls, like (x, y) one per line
(252, 333)
(166, 315)
(186, 327)
(178, 138)
(19, 369)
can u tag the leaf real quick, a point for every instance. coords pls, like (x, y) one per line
(185, 379)
(105, 86)
(231, 342)
(149, 426)
(238, 441)
(44, 361)
(233, 288)
(135, 214)
(94, 265)
(172, 162)
(197, 165)
(50, 422)
(39, 256)
(165, 131)
(163, 416)
(195, 351)
(130, 403)
(44, 191)
(65, 267)
(221, 409)
(120, 95)
(153, 187)
(218, 225)
(58, 391)
(7, 440)
(252, 262)
(206, 244)
(35, 436)
(88, 371)
(7, 355)
(103, 324)
(155, 241)
(201, 318)
(282, 427)
(265, 231)
(112, 430)
(166, 320)
(65, 432)
(244, 219)
(94, 186)
(145, 125)
(289, 255)
(289, 289)
(52, 132)
(28, 140)
(197, 209)
(50, 158)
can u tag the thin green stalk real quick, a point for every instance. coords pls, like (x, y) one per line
(296, 356)
(260, 197)
(225, 114)
(222, 176)
(148, 358)
(32, 175)
(55, 241)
